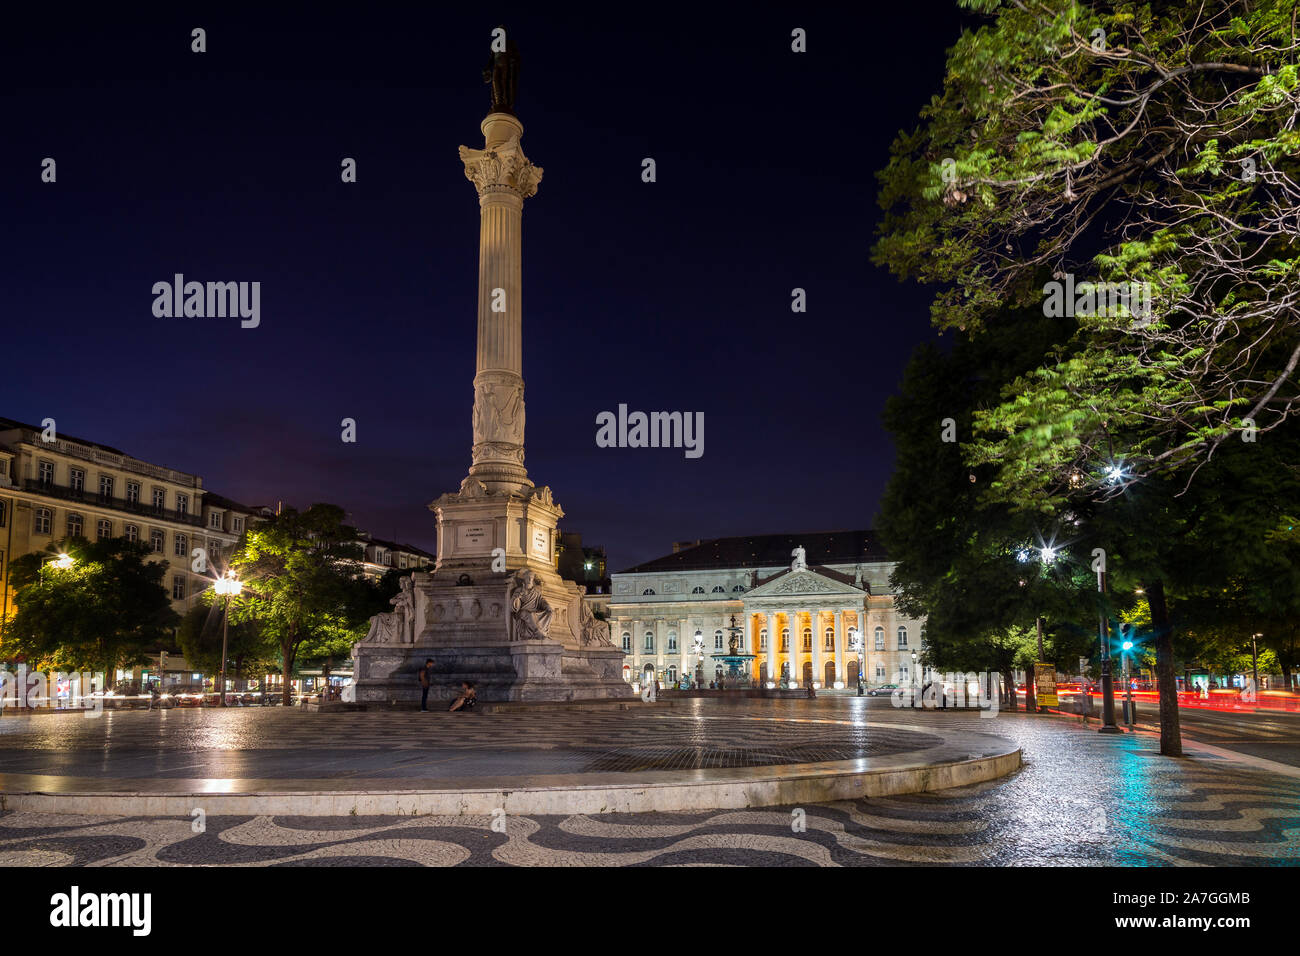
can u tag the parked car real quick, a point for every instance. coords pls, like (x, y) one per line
(884, 690)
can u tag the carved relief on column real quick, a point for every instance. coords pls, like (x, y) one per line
(499, 421)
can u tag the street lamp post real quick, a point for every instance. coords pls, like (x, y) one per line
(856, 642)
(227, 585)
(1108, 725)
(1128, 685)
(916, 681)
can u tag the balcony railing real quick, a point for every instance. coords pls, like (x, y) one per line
(83, 496)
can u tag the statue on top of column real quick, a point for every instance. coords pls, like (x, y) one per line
(502, 71)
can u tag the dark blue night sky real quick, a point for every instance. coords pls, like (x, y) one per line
(224, 166)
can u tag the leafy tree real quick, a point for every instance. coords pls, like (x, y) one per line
(1143, 143)
(108, 609)
(1105, 138)
(961, 561)
(300, 573)
(200, 637)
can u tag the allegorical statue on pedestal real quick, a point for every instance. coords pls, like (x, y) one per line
(398, 625)
(594, 631)
(530, 613)
(502, 71)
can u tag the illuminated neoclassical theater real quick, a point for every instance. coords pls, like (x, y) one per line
(808, 608)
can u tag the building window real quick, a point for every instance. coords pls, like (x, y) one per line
(739, 589)
(785, 640)
(830, 639)
(672, 674)
(181, 546)
(160, 498)
(133, 492)
(401, 561)
(647, 591)
(902, 674)
(76, 479)
(717, 640)
(388, 558)
(214, 520)
(237, 525)
(46, 469)
(2, 514)
(74, 525)
(106, 486)
(880, 672)
(178, 587)
(182, 504)
(214, 550)
(156, 540)
(880, 638)
(672, 642)
(697, 590)
(103, 529)
(131, 533)
(627, 643)
(902, 638)
(42, 521)
(649, 646)
(762, 639)
(719, 589)
(807, 638)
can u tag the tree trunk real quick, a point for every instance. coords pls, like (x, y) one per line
(286, 661)
(1031, 691)
(1008, 679)
(1171, 741)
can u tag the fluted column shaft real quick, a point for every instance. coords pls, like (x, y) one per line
(504, 178)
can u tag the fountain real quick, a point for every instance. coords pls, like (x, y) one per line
(735, 678)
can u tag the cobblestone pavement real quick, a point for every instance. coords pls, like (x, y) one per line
(1081, 799)
(282, 743)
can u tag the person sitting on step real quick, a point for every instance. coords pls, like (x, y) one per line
(467, 697)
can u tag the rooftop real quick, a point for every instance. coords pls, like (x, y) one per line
(771, 550)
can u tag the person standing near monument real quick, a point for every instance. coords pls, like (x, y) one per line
(426, 681)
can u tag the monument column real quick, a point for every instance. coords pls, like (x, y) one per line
(504, 178)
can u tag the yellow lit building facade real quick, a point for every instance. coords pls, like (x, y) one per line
(53, 486)
(818, 617)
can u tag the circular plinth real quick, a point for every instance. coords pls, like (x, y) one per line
(698, 754)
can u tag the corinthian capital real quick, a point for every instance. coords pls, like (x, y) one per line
(505, 167)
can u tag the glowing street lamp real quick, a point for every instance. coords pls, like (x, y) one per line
(228, 585)
(62, 561)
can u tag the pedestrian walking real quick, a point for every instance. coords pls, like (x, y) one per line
(426, 681)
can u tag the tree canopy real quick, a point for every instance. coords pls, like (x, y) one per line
(109, 608)
(1154, 144)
